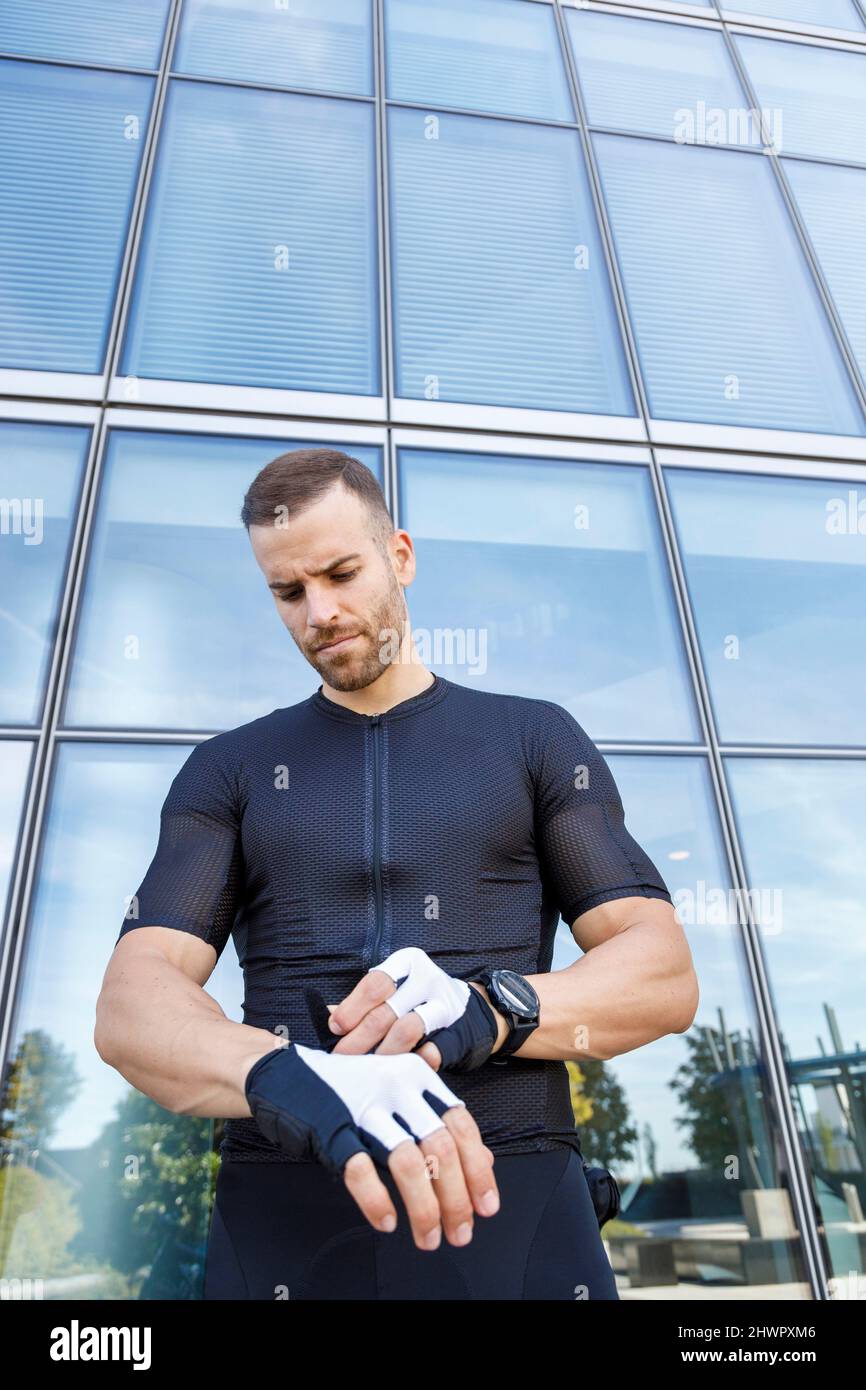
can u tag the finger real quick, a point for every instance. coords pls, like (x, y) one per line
(372, 1028)
(409, 1171)
(372, 989)
(369, 1192)
(449, 1181)
(476, 1160)
(403, 1036)
(431, 1055)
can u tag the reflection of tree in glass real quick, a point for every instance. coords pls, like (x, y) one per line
(38, 1219)
(719, 1089)
(40, 1083)
(148, 1202)
(601, 1113)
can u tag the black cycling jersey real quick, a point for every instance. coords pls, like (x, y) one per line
(321, 839)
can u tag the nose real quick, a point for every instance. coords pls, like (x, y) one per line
(323, 610)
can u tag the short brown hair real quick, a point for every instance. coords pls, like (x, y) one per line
(299, 478)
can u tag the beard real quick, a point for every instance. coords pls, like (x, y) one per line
(364, 662)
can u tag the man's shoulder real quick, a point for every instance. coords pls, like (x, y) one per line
(528, 712)
(234, 743)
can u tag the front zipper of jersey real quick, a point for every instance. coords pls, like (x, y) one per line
(373, 952)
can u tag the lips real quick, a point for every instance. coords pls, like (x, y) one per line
(338, 641)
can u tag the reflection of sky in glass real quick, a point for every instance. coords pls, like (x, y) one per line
(636, 75)
(102, 832)
(669, 811)
(762, 567)
(802, 825)
(91, 31)
(14, 768)
(323, 45)
(258, 262)
(501, 290)
(172, 567)
(820, 92)
(583, 617)
(72, 144)
(483, 55)
(40, 471)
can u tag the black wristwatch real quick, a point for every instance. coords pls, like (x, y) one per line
(513, 997)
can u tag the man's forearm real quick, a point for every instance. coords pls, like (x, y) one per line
(623, 994)
(172, 1041)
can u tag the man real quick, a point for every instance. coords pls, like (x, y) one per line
(397, 849)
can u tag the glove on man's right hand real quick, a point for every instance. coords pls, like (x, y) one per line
(329, 1106)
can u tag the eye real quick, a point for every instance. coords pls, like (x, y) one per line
(345, 574)
(292, 594)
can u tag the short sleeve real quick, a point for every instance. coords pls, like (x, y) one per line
(194, 882)
(584, 849)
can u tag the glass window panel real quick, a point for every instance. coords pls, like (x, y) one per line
(684, 1123)
(802, 825)
(94, 1161)
(322, 45)
(87, 31)
(497, 301)
(829, 14)
(832, 201)
(169, 544)
(15, 756)
(666, 79)
(536, 589)
(776, 570)
(749, 343)
(818, 96)
(69, 161)
(41, 468)
(486, 55)
(259, 258)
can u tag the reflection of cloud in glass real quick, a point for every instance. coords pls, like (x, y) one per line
(549, 593)
(172, 569)
(802, 826)
(14, 766)
(102, 832)
(763, 568)
(668, 804)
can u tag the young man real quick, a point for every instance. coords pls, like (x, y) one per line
(397, 849)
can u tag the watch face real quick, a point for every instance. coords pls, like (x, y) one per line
(516, 993)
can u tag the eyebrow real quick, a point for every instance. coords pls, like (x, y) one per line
(334, 564)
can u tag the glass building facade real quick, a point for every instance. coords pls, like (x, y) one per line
(582, 284)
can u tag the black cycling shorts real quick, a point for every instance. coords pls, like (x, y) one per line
(281, 1232)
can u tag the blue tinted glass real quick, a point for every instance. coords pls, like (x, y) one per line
(89, 31)
(668, 79)
(323, 45)
(259, 260)
(15, 758)
(831, 14)
(816, 96)
(69, 159)
(776, 569)
(802, 825)
(501, 291)
(41, 467)
(832, 201)
(84, 1216)
(691, 1099)
(487, 55)
(169, 544)
(748, 343)
(568, 599)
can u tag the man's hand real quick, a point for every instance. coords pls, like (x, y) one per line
(341, 1112)
(461, 1027)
